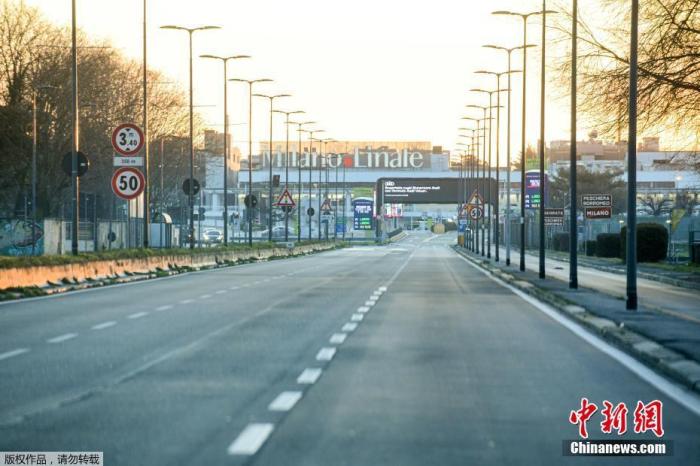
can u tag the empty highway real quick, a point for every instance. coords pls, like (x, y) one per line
(386, 355)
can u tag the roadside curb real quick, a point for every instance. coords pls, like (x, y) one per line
(655, 355)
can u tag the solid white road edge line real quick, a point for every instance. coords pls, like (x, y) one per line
(251, 439)
(671, 389)
(285, 401)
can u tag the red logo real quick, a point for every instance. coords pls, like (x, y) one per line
(347, 161)
(647, 417)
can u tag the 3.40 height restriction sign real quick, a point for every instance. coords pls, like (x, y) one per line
(127, 139)
(128, 183)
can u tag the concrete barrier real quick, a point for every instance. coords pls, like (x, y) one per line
(42, 275)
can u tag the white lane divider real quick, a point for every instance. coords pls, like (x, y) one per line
(13, 353)
(309, 376)
(205, 296)
(233, 288)
(382, 288)
(325, 354)
(221, 292)
(164, 308)
(370, 303)
(285, 401)
(378, 293)
(187, 301)
(357, 317)
(338, 338)
(363, 309)
(137, 315)
(349, 327)
(251, 439)
(62, 338)
(104, 325)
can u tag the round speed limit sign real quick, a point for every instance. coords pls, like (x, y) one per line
(128, 183)
(127, 139)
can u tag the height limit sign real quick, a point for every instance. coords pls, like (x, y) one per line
(127, 139)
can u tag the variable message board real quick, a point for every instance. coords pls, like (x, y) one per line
(362, 214)
(431, 190)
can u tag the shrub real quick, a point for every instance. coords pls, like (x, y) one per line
(652, 242)
(608, 245)
(590, 247)
(450, 226)
(561, 242)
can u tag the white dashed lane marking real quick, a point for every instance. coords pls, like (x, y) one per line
(13, 353)
(382, 288)
(349, 327)
(309, 376)
(233, 288)
(338, 338)
(205, 296)
(104, 325)
(62, 338)
(370, 303)
(357, 317)
(164, 308)
(137, 315)
(325, 354)
(221, 292)
(187, 301)
(285, 401)
(251, 439)
(363, 309)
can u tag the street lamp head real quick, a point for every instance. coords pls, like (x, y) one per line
(190, 30)
(480, 90)
(503, 13)
(476, 106)
(225, 58)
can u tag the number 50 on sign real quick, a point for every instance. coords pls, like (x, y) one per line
(128, 183)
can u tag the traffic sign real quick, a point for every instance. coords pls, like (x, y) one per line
(128, 161)
(475, 199)
(593, 213)
(476, 212)
(596, 200)
(285, 200)
(67, 164)
(250, 201)
(553, 217)
(128, 183)
(127, 139)
(186, 186)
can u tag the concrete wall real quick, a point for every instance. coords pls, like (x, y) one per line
(40, 276)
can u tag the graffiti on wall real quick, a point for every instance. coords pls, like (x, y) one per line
(18, 238)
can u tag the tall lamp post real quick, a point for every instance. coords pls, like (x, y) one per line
(225, 60)
(286, 167)
(573, 226)
(524, 17)
(311, 144)
(483, 172)
(299, 187)
(269, 163)
(475, 176)
(249, 205)
(631, 256)
(507, 224)
(190, 196)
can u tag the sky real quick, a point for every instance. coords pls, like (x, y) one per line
(363, 70)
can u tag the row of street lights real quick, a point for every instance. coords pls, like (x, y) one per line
(474, 154)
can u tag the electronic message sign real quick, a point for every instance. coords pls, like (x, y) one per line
(362, 214)
(430, 190)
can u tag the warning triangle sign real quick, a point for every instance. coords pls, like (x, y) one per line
(326, 207)
(285, 199)
(476, 199)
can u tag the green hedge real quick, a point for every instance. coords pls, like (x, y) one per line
(591, 247)
(652, 242)
(608, 245)
(560, 242)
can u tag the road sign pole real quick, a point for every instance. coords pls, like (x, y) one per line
(146, 191)
(75, 141)
(631, 257)
(573, 234)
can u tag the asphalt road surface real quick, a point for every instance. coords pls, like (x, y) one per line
(397, 355)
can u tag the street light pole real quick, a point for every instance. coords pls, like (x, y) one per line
(269, 195)
(573, 209)
(190, 32)
(75, 140)
(299, 187)
(631, 256)
(249, 206)
(286, 168)
(225, 61)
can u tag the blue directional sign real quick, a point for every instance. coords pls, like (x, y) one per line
(362, 214)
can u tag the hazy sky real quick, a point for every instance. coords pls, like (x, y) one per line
(365, 70)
